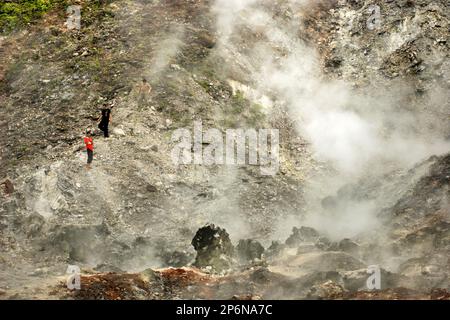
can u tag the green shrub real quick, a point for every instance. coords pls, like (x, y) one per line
(17, 13)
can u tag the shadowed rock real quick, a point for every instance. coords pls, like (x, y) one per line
(214, 248)
(249, 250)
(300, 235)
(275, 249)
(348, 246)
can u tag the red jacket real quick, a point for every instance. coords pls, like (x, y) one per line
(89, 143)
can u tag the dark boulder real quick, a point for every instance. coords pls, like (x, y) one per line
(249, 250)
(176, 259)
(300, 235)
(214, 248)
(348, 246)
(275, 249)
(323, 243)
(329, 203)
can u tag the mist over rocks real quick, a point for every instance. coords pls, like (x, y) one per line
(300, 235)
(249, 250)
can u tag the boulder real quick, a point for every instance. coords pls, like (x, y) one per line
(263, 275)
(176, 259)
(249, 250)
(275, 249)
(300, 235)
(327, 290)
(323, 243)
(148, 275)
(348, 246)
(118, 132)
(214, 248)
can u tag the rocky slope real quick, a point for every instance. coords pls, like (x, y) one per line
(251, 64)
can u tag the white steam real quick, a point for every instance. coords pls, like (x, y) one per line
(356, 133)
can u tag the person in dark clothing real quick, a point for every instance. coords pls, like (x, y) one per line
(105, 120)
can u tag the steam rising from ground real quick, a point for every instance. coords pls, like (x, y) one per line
(354, 132)
(167, 49)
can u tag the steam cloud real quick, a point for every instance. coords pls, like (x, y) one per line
(354, 132)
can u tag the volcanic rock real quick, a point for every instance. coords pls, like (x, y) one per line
(214, 248)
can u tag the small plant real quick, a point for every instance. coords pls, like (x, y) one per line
(242, 112)
(18, 13)
(238, 102)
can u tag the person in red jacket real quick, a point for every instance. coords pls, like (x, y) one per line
(89, 148)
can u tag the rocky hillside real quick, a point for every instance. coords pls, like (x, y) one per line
(362, 105)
